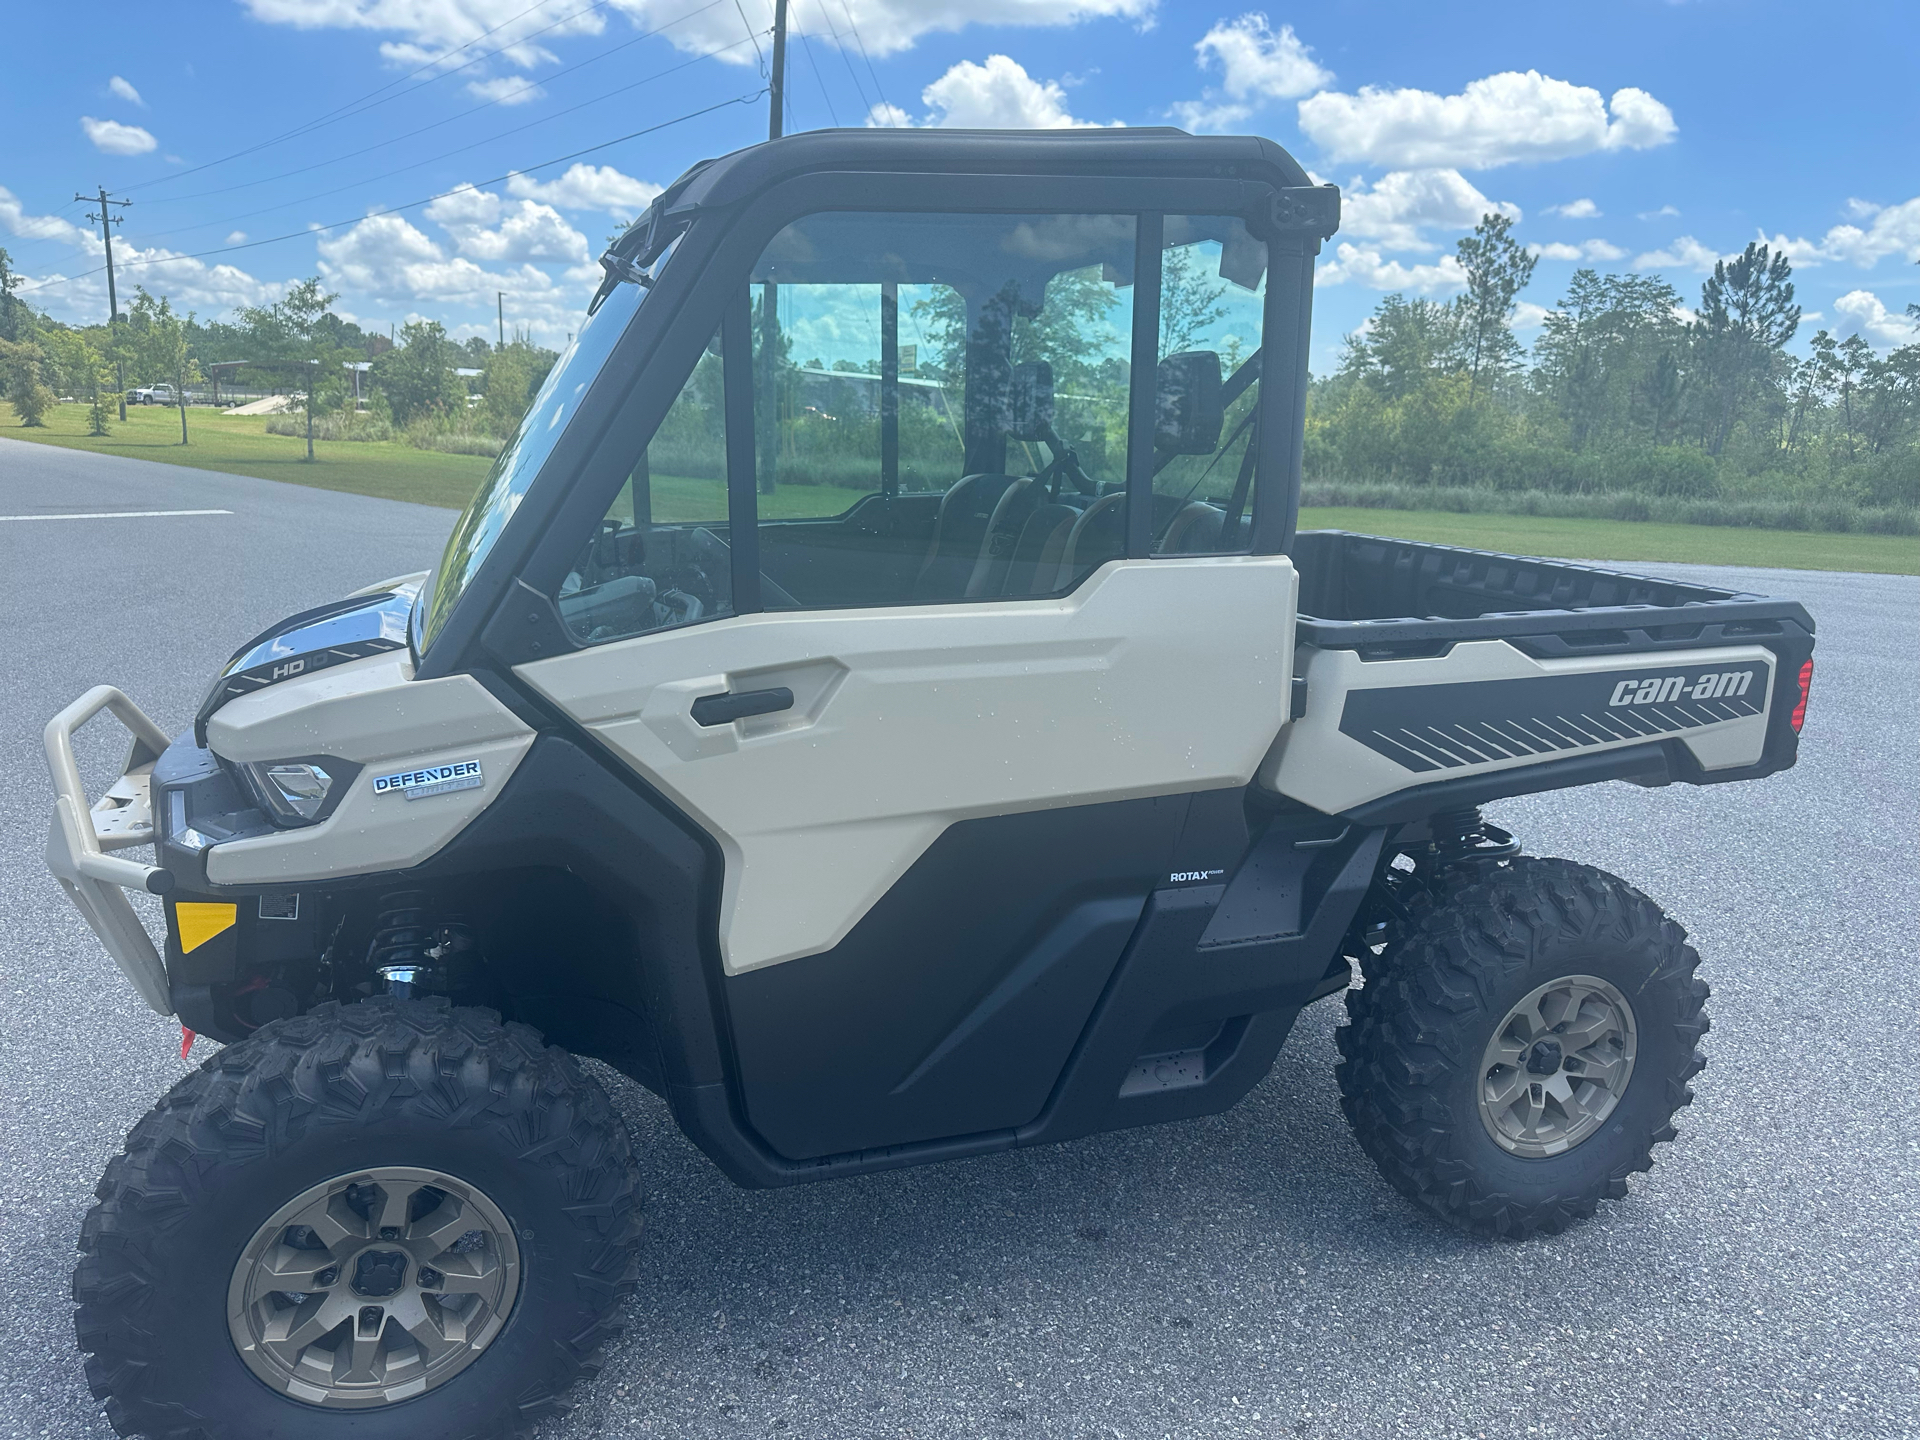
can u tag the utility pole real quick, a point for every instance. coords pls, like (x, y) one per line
(107, 220)
(777, 86)
(500, 308)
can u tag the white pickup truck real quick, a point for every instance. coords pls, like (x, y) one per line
(153, 395)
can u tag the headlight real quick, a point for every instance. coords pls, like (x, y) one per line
(292, 792)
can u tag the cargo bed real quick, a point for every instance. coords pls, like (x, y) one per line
(1439, 677)
(1405, 598)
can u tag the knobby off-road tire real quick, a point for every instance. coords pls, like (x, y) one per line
(411, 1087)
(1414, 1067)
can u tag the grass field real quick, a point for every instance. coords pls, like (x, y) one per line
(394, 471)
(1634, 540)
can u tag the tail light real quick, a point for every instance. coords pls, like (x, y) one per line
(1799, 716)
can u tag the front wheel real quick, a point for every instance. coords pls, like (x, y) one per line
(1524, 1046)
(393, 1218)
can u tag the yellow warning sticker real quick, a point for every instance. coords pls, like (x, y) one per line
(199, 922)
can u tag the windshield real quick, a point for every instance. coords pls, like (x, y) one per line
(506, 484)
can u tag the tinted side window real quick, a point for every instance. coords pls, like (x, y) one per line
(940, 405)
(1212, 290)
(659, 557)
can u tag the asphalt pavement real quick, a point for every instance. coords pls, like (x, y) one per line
(1243, 1275)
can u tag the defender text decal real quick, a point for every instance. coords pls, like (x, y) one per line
(433, 780)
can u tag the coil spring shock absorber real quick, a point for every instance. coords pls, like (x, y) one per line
(402, 933)
(412, 947)
(1464, 835)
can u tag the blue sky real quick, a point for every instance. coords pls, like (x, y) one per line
(1628, 134)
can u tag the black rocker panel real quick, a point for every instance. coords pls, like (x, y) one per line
(953, 1004)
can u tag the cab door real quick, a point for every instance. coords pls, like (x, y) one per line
(941, 808)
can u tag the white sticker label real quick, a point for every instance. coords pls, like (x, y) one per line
(433, 780)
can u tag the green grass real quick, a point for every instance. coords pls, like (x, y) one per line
(396, 471)
(1633, 540)
(240, 445)
(391, 470)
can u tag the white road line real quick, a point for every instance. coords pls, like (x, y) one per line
(117, 515)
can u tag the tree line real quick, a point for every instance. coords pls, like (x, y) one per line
(1630, 402)
(411, 386)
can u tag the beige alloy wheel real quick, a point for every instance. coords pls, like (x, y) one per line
(1557, 1066)
(373, 1287)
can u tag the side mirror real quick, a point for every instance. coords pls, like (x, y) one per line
(1187, 407)
(1030, 401)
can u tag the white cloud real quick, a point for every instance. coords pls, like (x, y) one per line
(1528, 316)
(1256, 61)
(1866, 315)
(429, 30)
(14, 216)
(505, 90)
(1686, 253)
(1401, 202)
(114, 138)
(1367, 268)
(1498, 120)
(998, 95)
(485, 227)
(1895, 230)
(1585, 250)
(124, 89)
(387, 259)
(884, 116)
(1804, 253)
(238, 237)
(1664, 212)
(1257, 64)
(588, 187)
(1581, 209)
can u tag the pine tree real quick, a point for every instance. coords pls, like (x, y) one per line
(1497, 271)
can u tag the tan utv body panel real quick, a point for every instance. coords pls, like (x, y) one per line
(1317, 764)
(1155, 677)
(373, 712)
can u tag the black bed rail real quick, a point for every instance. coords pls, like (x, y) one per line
(1403, 598)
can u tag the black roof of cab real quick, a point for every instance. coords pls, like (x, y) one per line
(1159, 150)
(1146, 150)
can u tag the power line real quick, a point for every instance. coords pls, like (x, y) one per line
(344, 111)
(845, 58)
(446, 154)
(460, 115)
(411, 204)
(818, 79)
(866, 57)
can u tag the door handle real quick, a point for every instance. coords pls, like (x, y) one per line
(738, 705)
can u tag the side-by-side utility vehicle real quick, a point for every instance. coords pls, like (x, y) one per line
(880, 702)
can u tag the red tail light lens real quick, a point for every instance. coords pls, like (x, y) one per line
(1799, 716)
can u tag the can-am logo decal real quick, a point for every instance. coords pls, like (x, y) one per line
(1664, 689)
(433, 780)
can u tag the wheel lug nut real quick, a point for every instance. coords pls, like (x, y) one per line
(428, 1278)
(327, 1276)
(389, 1232)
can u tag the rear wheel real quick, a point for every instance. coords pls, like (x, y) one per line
(1523, 1045)
(390, 1219)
